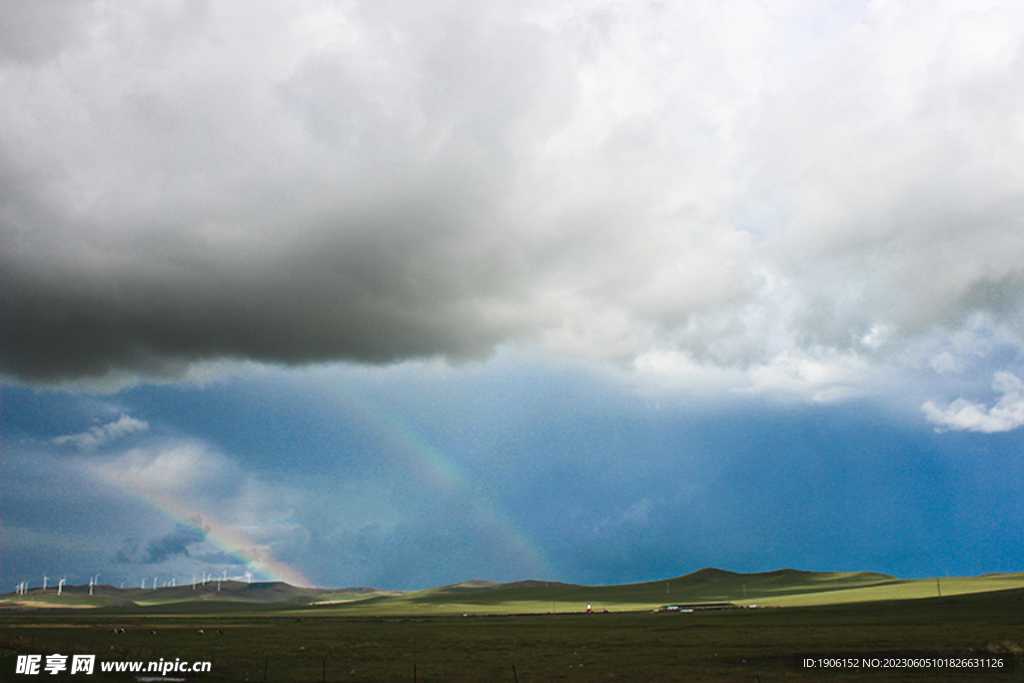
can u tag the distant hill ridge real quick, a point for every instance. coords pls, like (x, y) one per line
(781, 587)
(713, 574)
(483, 584)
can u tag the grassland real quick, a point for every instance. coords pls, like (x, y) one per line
(531, 632)
(783, 588)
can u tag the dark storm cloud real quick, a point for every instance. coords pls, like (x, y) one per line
(343, 298)
(174, 544)
(343, 218)
(712, 182)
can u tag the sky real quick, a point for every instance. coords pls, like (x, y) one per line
(402, 293)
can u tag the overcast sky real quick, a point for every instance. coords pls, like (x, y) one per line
(406, 293)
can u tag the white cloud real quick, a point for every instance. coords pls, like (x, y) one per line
(1006, 414)
(819, 375)
(189, 471)
(640, 511)
(946, 362)
(95, 437)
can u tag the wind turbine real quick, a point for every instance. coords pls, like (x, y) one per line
(154, 581)
(92, 582)
(60, 585)
(45, 578)
(143, 582)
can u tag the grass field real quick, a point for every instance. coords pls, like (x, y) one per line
(783, 588)
(423, 636)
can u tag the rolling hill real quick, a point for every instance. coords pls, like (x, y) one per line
(780, 588)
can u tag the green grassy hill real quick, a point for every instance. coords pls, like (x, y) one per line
(781, 588)
(704, 586)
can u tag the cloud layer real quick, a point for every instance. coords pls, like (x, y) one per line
(95, 437)
(731, 184)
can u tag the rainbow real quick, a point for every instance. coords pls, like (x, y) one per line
(228, 538)
(397, 441)
(440, 473)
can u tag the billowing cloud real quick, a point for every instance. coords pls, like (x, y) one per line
(95, 437)
(734, 185)
(1006, 414)
(168, 468)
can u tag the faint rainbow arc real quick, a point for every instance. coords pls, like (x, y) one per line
(441, 472)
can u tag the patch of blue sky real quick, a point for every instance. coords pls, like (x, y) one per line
(585, 473)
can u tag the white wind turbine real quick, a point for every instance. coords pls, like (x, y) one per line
(60, 585)
(92, 582)
(45, 578)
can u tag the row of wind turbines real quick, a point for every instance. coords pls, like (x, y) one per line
(22, 588)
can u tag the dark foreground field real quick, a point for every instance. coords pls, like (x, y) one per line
(737, 645)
